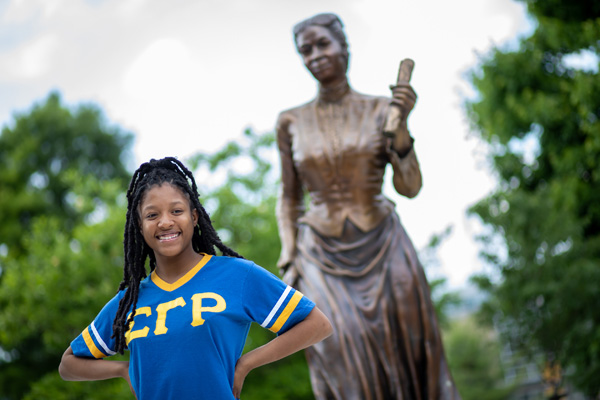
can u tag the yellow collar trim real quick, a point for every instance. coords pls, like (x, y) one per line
(169, 287)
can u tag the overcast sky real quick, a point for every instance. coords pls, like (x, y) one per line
(186, 75)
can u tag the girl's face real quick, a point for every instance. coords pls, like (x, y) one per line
(167, 221)
(322, 54)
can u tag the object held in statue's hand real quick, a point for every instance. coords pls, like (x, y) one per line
(394, 117)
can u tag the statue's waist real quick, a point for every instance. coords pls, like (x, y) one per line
(328, 217)
(347, 196)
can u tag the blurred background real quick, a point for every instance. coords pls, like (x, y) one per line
(507, 134)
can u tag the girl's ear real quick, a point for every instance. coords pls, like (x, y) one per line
(195, 216)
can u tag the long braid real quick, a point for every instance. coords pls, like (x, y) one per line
(205, 238)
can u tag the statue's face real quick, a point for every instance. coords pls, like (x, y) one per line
(324, 56)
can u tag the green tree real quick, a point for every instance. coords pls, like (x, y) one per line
(444, 301)
(538, 108)
(60, 179)
(241, 194)
(473, 353)
(36, 150)
(50, 294)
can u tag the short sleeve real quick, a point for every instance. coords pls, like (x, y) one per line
(95, 341)
(271, 303)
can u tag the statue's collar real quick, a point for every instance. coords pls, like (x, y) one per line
(333, 94)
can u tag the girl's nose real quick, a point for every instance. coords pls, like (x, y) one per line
(165, 222)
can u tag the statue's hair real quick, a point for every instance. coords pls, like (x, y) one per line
(327, 20)
(205, 238)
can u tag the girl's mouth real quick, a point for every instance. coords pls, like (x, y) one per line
(168, 237)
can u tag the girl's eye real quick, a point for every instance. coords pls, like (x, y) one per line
(150, 216)
(177, 211)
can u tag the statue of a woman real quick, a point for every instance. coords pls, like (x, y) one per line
(346, 249)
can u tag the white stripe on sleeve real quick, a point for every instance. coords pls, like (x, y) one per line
(276, 307)
(99, 339)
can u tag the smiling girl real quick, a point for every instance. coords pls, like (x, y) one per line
(185, 325)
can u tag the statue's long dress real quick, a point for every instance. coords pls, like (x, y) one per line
(353, 257)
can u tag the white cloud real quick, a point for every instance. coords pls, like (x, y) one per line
(160, 73)
(29, 61)
(130, 8)
(19, 11)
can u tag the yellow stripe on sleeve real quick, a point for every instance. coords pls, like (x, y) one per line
(287, 311)
(91, 345)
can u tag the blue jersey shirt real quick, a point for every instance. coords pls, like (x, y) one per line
(187, 336)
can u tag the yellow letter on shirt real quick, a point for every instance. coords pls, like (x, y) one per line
(131, 334)
(198, 309)
(161, 310)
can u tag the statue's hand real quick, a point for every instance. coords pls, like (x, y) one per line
(287, 269)
(290, 276)
(404, 96)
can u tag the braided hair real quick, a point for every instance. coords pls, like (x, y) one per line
(205, 238)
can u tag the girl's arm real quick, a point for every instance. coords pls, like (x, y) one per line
(73, 368)
(314, 328)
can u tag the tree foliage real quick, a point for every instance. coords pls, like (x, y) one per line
(473, 353)
(538, 109)
(38, 150)
(238, 186)
(445, 302)
(61, 176)
(52, 293)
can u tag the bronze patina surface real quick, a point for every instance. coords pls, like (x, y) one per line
(347, 249)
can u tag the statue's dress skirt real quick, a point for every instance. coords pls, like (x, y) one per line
(373, 288)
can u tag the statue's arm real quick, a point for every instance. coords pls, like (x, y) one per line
(400, 147)
(290, 205)
(407, 177)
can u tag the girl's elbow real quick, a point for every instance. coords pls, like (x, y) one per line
(325, 327)
(325, 333)
(63, 372)
(63, 367)
(328, 330)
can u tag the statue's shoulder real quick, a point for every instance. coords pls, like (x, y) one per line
(292, 113)
(297, 109)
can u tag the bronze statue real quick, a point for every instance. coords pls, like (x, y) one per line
(348, 250)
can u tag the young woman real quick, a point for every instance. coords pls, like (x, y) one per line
(347, 250)
(185, 325)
